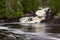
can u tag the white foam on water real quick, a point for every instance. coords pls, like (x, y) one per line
(3, 27)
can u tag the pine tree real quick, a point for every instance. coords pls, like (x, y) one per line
(54, 5)
(14, 9)
(29, 5)
(2, 8)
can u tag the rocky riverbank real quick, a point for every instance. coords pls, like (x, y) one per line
(8, 21)
(51, 21)
(54, 21)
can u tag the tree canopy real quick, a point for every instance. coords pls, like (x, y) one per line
(30, 5)
(54, 5)
(13, 9)
(2, 8)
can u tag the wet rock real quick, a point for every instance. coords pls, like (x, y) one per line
(1, 21)
(4, 35)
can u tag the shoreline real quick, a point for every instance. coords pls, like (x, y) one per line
(8, 21)
(52, 21)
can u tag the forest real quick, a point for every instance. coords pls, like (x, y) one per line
(15, 9)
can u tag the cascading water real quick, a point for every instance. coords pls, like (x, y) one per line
(10, 33)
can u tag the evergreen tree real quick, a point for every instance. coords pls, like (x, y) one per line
(14, 10)
(2, 8)
(29, 5)
(54, 5)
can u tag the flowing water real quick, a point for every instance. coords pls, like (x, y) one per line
(26, 31)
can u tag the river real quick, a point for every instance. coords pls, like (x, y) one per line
(26, 31)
